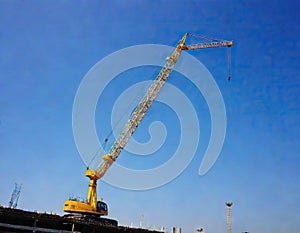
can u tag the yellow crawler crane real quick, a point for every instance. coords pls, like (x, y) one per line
(91, 206)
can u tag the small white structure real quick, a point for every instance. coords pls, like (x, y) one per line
(176, 230)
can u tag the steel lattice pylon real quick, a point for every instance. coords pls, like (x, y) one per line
(15, 196)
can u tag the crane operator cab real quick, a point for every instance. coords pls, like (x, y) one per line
(102, 208)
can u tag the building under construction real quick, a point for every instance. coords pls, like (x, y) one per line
(15, 220)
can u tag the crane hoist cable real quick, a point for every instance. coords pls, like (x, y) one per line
(212, 40)
(229, 62)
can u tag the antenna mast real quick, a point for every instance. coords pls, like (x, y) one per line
(15, 196)
(228, 204)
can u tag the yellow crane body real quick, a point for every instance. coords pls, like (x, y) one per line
(94, 207)
(91, 206)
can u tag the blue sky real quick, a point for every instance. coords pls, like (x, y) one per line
(48, 46)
